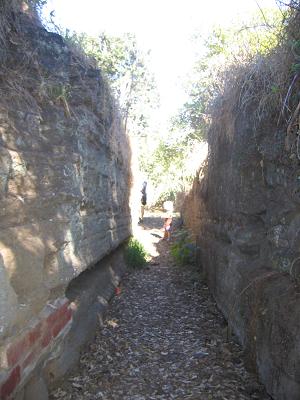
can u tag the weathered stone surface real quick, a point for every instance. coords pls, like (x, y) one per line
(64, 196)
(64, 173)
(244, 213)
(36, 389)
(8, 300)
(89, 293)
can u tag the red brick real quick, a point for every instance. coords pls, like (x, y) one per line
(118, 291)
(58, 314)
(10, 384)
(35, 334)
(58, 327)
(17, 350)
(46, 339)
(30, 358)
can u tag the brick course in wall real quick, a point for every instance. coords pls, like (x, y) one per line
(21, 356)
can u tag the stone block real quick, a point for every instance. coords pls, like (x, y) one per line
(36, 389)
(17, 350)
(10, 384)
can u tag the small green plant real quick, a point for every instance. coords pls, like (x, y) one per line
(60, 93)
(296, 67)
(135, 254)
(184, 251)
(275, 89)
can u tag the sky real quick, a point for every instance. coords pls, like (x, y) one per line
(163, 26)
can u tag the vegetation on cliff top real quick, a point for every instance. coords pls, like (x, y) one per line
(246, 63)
(125, 66)
(229, 51)
(255, 65)
(229, 60)
(254, 62)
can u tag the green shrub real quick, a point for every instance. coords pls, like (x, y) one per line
(184, 251)
(167, 195)
(135, 254)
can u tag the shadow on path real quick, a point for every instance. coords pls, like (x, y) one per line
(163, 338)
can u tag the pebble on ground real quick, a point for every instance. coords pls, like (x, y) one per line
(163, 338)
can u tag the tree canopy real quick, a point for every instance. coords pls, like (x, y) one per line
(223, 51)
(125, 66)
(164, 156)
(223, 47)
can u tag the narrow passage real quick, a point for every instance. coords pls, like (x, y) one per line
(163, 338)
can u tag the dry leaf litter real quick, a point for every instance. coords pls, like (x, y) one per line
(163, 338)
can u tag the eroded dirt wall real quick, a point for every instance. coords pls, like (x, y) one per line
(64, 190)
(244, 211)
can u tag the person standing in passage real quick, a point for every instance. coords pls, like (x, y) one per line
(168, 220)
(143, 201)
(168, 227)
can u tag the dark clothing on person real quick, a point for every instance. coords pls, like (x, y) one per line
(143, 201)
(144, 195)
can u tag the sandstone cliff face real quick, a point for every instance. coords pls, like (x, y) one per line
(64, 187)
(244, 211)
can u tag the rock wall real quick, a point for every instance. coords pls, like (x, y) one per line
(64, 193)
(244, 212)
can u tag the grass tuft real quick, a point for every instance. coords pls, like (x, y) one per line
(184, 251)
(135, 254)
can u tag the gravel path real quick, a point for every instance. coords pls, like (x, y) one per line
(163, 338)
